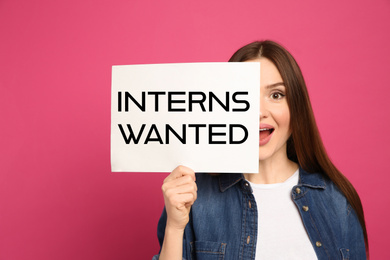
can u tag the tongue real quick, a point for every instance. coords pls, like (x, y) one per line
(264, 134)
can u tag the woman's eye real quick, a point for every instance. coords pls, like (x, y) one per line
(277, 95)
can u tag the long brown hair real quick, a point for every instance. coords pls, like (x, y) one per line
(304, 146)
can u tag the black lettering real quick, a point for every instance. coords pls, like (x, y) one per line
(129, 96)
(197, 126)
(119, 101)
(224, 106)
(170, 101)
(191, 100)
(182, 138)
(156, 94)
(153, 128)
(237, 101)
(231, 141)
(131, 136)
(211, 134)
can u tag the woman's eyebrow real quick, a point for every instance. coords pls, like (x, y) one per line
(274, 85)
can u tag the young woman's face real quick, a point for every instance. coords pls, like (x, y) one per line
(274, 112)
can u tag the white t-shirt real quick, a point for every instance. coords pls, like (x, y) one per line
(281, 234)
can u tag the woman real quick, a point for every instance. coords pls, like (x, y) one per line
(299, 206)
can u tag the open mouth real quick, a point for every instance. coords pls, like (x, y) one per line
(265, 132)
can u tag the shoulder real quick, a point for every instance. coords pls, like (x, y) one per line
(324, 195)
(320, 183)
(331, 214)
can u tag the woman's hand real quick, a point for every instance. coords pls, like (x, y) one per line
(180, 192)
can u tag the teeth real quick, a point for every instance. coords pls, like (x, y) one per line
(265, 129)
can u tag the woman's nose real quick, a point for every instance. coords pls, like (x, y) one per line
(263, 109)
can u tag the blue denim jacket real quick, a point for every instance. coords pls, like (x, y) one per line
(223, 219)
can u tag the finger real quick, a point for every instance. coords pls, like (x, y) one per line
(169, 186)
(186, 188)
(178, 200)
(180, 171)
(184, 200)
(172, 196)
(179, 181)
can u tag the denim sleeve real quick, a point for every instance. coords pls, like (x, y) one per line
(357, 247)
(161, 231)
(161, 227)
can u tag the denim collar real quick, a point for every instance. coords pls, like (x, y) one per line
(312, 180)
(227, 180)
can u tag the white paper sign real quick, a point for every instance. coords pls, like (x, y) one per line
(201, 115)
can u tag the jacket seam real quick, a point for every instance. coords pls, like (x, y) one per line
(318, 232)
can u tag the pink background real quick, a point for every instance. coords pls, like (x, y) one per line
(58, 198)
